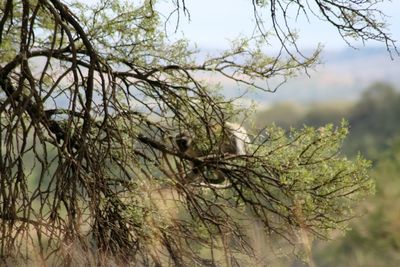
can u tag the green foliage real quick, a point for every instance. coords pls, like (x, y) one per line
(374, 239)
(93, 96)
(374, 124)
(314, 175)
(7, 49)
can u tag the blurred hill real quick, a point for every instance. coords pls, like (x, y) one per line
(374, 118)
(342, 76)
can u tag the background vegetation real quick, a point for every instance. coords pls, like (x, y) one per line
(374, 238)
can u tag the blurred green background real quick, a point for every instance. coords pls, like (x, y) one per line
(374, 238)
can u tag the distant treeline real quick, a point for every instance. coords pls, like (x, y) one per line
(374, 119)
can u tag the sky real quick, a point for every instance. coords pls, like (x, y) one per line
(343, 74)
(214, 22)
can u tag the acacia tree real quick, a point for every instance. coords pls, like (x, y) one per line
(90, 99)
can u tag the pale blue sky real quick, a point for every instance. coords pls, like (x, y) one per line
(343, 75)
(214, 22)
